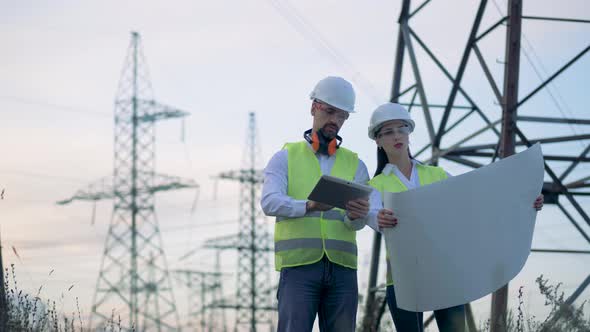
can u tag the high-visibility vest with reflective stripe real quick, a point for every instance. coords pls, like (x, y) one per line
(391, 183)
(305, 240)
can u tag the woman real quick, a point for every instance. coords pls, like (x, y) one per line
(397, 171)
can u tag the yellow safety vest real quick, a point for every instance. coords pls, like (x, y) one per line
(305, 240)
(391, 183)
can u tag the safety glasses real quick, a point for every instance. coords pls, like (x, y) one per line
(333, 112)
(389, 132)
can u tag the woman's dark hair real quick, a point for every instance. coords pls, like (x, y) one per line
(382, 160)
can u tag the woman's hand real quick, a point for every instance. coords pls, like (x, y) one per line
(386, 219)
(538, 205)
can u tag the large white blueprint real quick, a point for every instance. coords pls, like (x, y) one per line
(460, 239)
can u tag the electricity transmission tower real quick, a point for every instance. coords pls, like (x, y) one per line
(449, 121)
(253, 306)
(204, 291)
(134, 274)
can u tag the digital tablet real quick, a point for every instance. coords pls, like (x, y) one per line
(337, 192)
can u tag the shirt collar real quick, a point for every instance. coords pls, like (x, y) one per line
(389, 168)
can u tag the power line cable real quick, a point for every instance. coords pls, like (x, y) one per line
(44, 176)
(321, 44)
(62, 108)
(551, 85)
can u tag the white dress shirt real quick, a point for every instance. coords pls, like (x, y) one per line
(411, 183)
(276, 202)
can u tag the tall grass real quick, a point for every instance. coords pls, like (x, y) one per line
(30, 313)
(562, 316)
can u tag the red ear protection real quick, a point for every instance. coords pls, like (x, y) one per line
(317, 143)
(331, 146)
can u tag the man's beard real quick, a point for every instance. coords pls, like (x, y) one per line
(328, 135)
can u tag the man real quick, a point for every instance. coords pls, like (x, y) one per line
(315, 244)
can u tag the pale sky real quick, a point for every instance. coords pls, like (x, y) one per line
(60, 66)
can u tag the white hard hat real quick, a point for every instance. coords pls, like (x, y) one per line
(335, 91)
(388, 112)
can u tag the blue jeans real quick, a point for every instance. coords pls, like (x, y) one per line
(324, 289)
(448, 320)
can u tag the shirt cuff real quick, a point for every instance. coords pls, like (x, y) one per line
(356, 224)
(299, 209)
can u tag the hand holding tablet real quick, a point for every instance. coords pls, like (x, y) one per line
(337, 192)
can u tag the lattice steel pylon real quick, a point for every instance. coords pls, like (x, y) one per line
(253, 242)
(462, 112)
(134, 277)
(204, 291)
(205, 295)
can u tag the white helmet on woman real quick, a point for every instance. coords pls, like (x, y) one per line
(388, 112)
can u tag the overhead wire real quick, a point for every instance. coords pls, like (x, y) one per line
(551, 85)
(322, 45)
(43, 175)
(57, 107)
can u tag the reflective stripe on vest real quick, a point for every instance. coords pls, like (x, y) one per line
(344, 246)
(330, 214)
(305, 240)
(391, 183)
